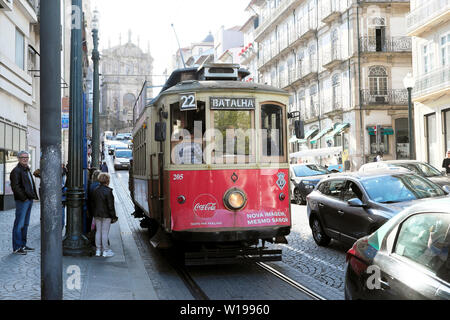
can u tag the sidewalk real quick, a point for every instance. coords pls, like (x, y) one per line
(122, 277)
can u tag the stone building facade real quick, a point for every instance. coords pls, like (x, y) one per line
(343, 61)
(429, 25)
(124, 70)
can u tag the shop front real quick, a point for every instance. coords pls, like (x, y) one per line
(12, 140)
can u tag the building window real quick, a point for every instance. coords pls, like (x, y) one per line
(402, 138)
(20, 49)
(431, 137)
(428, 57)
(384, 145)
(336, 83)
(445, 50)
(446, 119)
(378, 80)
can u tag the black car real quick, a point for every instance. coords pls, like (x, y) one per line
(304, 177)
(407, 258)
(351, 206)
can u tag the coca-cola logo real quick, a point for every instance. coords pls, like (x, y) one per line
(205, 206)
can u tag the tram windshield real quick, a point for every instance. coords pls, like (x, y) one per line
(230, 138)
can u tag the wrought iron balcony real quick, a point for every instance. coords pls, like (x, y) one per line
(389, 44)
(307, 28)
(330, 10)
(433, 82)
(429, 14)
(332, 57)
(271, 17)
(385, 97)
(312, 111)
(307, 69)
(331, 105)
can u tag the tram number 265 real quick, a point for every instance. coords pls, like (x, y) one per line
(178, 177)
(188, 101)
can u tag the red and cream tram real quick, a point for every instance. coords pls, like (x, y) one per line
(211, 165)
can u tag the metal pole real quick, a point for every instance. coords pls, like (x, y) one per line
(96, 119)
(410, 126)
(50, 164)
(75, 243)
(181, 52)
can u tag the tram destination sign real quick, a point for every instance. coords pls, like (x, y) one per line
(219, 103)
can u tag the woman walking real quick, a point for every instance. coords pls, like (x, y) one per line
(104, 215)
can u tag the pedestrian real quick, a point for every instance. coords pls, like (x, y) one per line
(104, 167)
(446, 163)
(24, 189)
(64, 179)
(379, 157)
(104, 214)
(138, 212)
(93, 185)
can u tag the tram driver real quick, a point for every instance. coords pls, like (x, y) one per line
(188, 151)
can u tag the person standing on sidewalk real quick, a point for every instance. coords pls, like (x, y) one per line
(104, 167)
(104, 214)
(24, 189)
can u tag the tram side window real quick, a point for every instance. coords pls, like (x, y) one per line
(272, 131)
(187, 131)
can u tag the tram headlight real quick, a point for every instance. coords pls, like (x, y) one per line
(235, 199)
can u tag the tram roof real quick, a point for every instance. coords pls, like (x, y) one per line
(175, 84)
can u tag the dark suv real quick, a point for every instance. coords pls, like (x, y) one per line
(304, 177)
(351, 206)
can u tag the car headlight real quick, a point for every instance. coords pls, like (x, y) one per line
(235, 199)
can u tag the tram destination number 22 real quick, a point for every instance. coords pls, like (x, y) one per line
(188, 101)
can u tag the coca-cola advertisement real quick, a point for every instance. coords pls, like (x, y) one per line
(205, 206)
(204, 199)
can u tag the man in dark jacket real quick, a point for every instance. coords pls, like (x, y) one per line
(25, 193)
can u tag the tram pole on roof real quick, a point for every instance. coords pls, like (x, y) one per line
(179, 47)
(50, 164)
(75, 242)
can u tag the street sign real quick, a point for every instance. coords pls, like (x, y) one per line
(64, 121)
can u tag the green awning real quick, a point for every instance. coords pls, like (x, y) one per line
(321, 134)
(387, 131)
(308, 135)
(337, 130)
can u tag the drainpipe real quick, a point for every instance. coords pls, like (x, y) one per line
(362, 142)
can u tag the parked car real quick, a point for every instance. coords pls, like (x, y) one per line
(122, 159)
(304, 177)
(421, 168)
(347, 207)
(407, 258)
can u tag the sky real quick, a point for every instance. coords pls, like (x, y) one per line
(151, 20)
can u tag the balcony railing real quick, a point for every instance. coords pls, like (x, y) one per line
(330, 105)
(385, 97)
(425, 14)
(329, 10)
(390, 44)
(332, 56)
(270, 17)
(307, 27)
(307, 68)
(312, 111)
(432, 82)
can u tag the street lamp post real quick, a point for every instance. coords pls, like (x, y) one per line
(75, 243)
(96, 98)
(409, 82)
(50, 117)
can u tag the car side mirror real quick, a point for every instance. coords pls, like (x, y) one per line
(299, 129)
(160, 131)
(444, 172)
(446, 188)
(355, 202)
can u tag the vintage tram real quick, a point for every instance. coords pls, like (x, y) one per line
(211, 164)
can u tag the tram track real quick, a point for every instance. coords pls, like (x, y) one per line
(172, 258)
(291, 282)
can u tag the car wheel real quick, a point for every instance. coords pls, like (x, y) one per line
(298, 198)
(318, 234)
